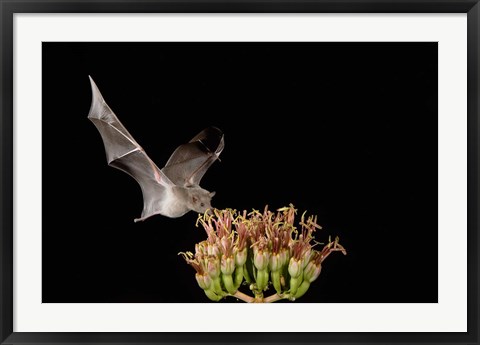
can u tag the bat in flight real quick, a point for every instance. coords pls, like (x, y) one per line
(173, 190)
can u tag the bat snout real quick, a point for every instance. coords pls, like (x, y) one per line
(209, 212)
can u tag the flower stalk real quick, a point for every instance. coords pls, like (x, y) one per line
(259, 252)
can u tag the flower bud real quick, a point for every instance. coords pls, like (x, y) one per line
(213, 249)
(276, 281)
(275, 262)
(207, 281)
(213, 295)
(262, 280)
(213, 267)
(238, 278)
(312, 271)
(306, 257)
(227, 265)
(294, 284)
(284, 257)
(228, 283)
(260, 259)
(302, 289)
(241, 257)
(294, 268)
(204, 281)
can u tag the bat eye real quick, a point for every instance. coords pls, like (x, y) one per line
(202, 204)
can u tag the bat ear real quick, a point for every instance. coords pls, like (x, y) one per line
(211, 194)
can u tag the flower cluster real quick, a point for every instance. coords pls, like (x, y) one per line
(259, 250)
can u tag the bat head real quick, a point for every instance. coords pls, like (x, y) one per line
(199, 199)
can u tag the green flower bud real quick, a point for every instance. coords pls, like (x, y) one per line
(294, 284)
(311, 271)
(207, 281)
(241, 257)
(306, 257)
(262, 280)
(228, 283)
(213, 267)
(302, 289)
(284, 257)
(294, 268)
(260, 259)
(238, 277)
(212, 295)
(217, 286)
(276, 281)
(204, 281)
(275, 262)
(227, 265)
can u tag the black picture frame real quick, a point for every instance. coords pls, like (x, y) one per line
(9, 8)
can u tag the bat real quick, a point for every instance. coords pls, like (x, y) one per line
(173, 190)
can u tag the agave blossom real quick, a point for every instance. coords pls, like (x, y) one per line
(258, 250)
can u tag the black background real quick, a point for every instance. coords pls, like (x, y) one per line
(347, 131)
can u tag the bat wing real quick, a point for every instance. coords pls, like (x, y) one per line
(124, 153)
(190, 161)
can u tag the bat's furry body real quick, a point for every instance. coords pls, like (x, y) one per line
(173, 190)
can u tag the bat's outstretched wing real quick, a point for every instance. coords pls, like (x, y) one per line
(189, 162)
(124, 153)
